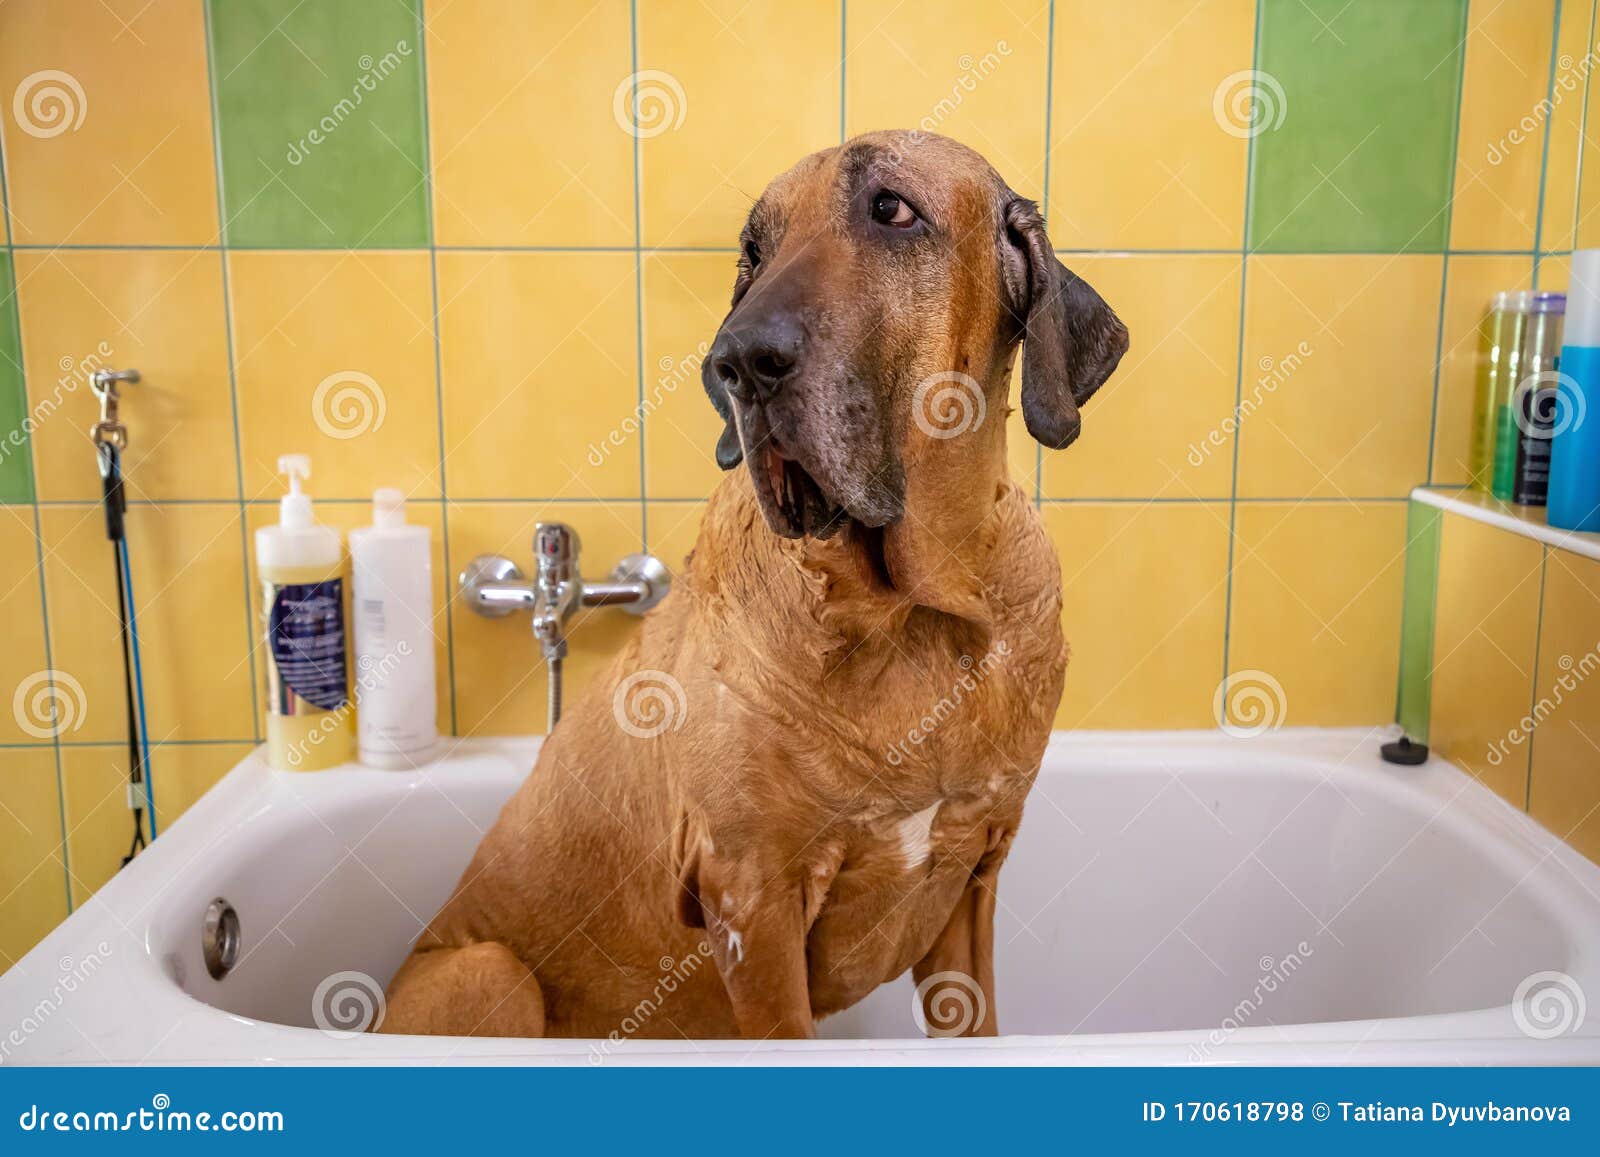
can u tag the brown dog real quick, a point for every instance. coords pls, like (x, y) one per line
(856, 676)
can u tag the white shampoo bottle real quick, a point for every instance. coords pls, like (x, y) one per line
(396, 712)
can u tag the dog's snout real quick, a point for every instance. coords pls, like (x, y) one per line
(754, 361)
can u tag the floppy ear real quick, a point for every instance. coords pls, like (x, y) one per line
(1071, 339)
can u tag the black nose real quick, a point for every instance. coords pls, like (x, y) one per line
(754, 359)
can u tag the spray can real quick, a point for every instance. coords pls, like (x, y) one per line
(1522, 435)
(1499, 347)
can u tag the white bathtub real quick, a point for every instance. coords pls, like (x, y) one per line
(1172, 897)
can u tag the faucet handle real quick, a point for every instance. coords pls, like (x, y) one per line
(555, 548)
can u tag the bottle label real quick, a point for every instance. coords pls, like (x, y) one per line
(306, 645)
(1530, 484)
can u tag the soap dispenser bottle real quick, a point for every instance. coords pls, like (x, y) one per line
(308, 705)
(392, 566)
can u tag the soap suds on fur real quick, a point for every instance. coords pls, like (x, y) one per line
(915, 833)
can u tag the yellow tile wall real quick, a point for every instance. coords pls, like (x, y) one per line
(1485, 642)
(1316, 606)
(1235, 505)
(1564, 792)
(1515, 676)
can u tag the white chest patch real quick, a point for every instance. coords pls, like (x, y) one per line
(914, 835)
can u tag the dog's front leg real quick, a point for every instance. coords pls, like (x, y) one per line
(754, 916)
(956, 977)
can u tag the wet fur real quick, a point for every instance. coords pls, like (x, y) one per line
(764, 851)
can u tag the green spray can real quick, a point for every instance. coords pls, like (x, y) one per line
(1499, 348)
(1521, 446)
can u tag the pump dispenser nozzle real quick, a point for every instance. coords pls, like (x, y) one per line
(294, 508)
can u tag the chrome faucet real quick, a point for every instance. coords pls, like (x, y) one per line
(494, 587)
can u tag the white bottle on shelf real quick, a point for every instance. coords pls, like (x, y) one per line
(396, 712)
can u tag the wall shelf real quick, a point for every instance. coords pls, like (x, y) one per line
(1528, 521)
(1500, 654)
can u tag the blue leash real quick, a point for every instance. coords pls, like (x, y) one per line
(138, 684)
(110, 437)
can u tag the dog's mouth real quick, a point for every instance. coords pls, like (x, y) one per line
(792, 501)
(794, 504)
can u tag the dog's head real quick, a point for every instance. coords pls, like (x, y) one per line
(882, 289)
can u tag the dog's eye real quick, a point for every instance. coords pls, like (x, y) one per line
(889, 209)
(752, 255)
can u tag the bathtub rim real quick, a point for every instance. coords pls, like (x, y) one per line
(219, 1037)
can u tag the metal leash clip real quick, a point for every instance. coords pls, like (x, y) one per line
(109, 431)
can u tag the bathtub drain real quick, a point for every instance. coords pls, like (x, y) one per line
(219, 938)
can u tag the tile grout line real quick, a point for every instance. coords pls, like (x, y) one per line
(638, 277)
(1434, 565)
(591, 500)
(5, 192)
(1100, 251)
(155, 744)
(844, 59)
(233, 374)
(1438, 368)
(39, 540)
(1533, 694)
(1583, 124)
(1449, 215)
(1544, 153)
(44, 617)
(1238, 380)
(438, 356)
(55, 737)
(38, 533)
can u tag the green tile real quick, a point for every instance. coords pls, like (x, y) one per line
(1414, 699)
(319, 110)
(1362, 158)
(16, 468)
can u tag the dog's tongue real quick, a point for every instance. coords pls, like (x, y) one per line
(775, 474)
